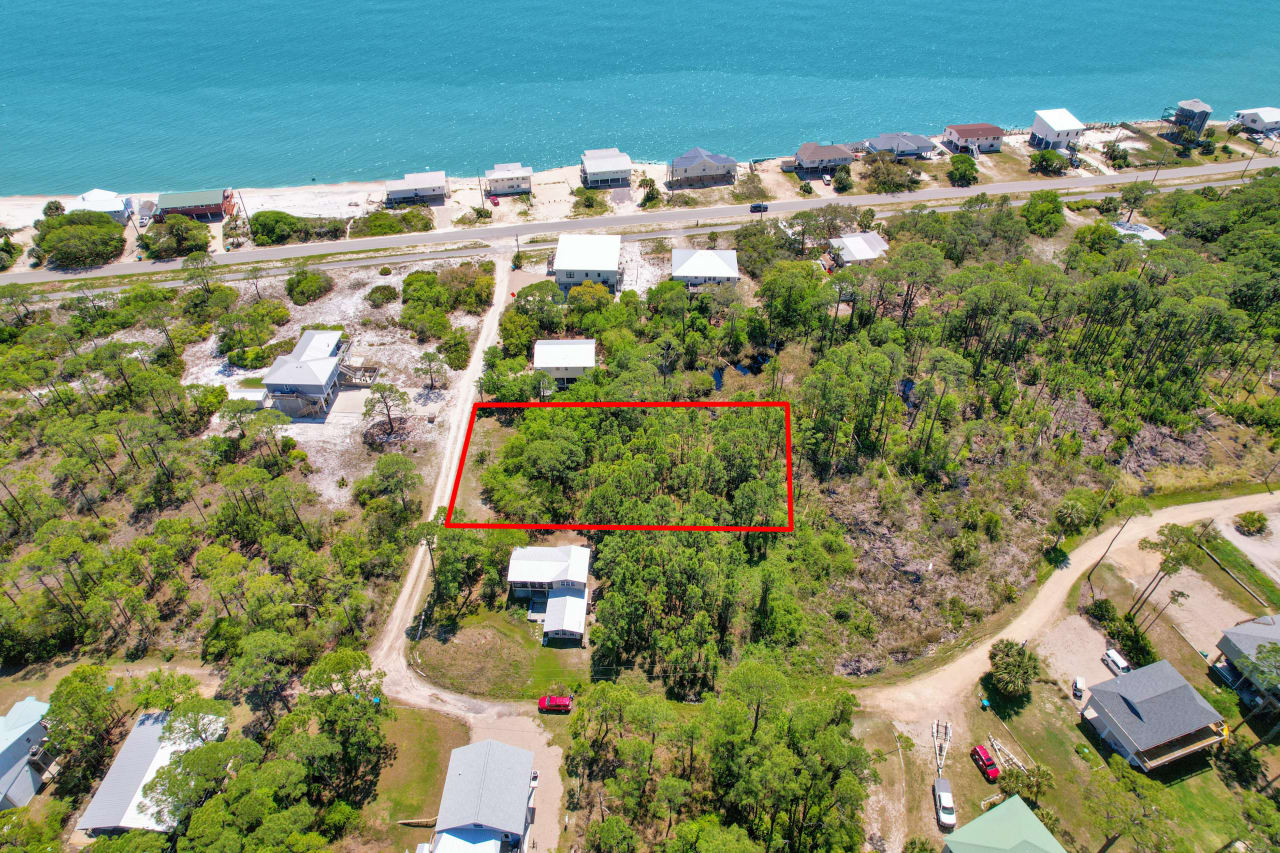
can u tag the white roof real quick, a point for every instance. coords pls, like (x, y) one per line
(103, 201)
(704, 263)
(256, 395)
(864, 246)
(486, 787)
(1059, 120)
(590, 252)
(311, 363)
(1264, 113)
(547, 564)
(566, 611)
(464, 841)
(575, 353)
(418, 181)
(509, 170)
(605, 160)
(1137, 229)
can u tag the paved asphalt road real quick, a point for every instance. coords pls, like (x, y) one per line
(507, 232)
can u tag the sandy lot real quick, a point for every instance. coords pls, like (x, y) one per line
(1073, 648)
(1263, 551)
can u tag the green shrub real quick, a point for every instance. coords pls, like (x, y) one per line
(455, 346)
(273, 227)
(383, 222)
(176, 237)
(963, 171)
(1043, 212)
(1101, 610)
(806, 188)
(305, 286)
(81, 238)
(1251, 523)
(9, 253)
(385, 271)
(1049, 162)
(381, 295)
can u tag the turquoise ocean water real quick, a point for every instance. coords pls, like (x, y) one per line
(137, 97)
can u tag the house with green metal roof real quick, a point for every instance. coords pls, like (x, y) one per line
(198, 204)
(1010, 827)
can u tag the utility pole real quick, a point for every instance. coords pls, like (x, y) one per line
(1159, 165)
(1250, 162)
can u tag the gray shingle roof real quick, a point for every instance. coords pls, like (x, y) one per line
(694, 155)
(816, 151)
(1195, 105)
(1241, 642)
(1151, 706)
(487, 784)
(898, 143)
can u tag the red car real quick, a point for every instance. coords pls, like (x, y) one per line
(555, 704)
(493, 200)
(986, 764)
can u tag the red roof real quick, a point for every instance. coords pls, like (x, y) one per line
(971, 131)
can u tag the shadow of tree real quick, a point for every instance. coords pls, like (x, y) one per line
(1004, 707)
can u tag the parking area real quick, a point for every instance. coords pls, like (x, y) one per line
(1073, 649)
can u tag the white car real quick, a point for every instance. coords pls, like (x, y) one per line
(944, 804)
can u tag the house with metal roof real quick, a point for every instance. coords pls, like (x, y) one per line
(700, 166)
(119, 804)
(1237, 649)
(418, 188)
(900, 145)
(1136, 231)
(814, 157)
(1261, 119)
(696, 267)
(118, 207)
(305, 381)
(1152, 716)
(23, 761)
(487, 802)
(1010, 827)
(605, 167)
(580, 258)
(1192, 114)
(858, 248)
(509, 179)
(201, 204)
(564, 361)
(554, 579)
(979, 137)
(1055, 129)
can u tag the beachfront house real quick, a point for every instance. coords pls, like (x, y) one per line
(605, 167)
(508, 179)
(118, 207)
(1152, 716)
(901, 145)
(554, 580)
(487, 802)
(564, 361)
(119, 804)
(305, 382)
(201, 204)
(418, 188)
(1055, 129)
(1010, 827)
(581, 258)
(1192, 114)
(859, 248)
(1234, 663)
(1261, 119)
(698, 166)
(980, 137)
(814, 157)
(696, 267)
(23, 761)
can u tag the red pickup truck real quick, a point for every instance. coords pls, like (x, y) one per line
(555, 704)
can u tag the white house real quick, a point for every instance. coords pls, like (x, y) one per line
(557, 578)
(119, 804)
(306, 380)
(588, 257)
(118, 207)
(859, 248)
(487, 802)
(1136, 230)
(978, 137)
(22, 757)
(1055, 129)
(814, 157)
(564, 361)
(1261, 119)
(698, 165)
(704, 266)
(605, 167)
(509, 178)
(418, 187)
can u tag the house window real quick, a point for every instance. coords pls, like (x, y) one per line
(568, 275)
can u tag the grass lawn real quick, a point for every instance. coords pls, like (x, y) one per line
(498, 654)
(999, 166)
(487, 438)
(410, 787)
(1240, 566)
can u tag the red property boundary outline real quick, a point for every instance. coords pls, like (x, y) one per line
(723, 528)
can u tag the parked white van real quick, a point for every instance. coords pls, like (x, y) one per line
(1116, 662)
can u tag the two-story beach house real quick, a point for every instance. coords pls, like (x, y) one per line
(901, 145)
(1192, 114)
(418, 188)
(979, 137)
(581, 258)
(487, 802)
(1260, 119)
(605, 167)
(201, 204)
(554, 579)
(305, 382)
(1055, 129)
(696, 267)
(23, 761)
(814, 157)
(564, 361)
(699, 166)
(509, 179)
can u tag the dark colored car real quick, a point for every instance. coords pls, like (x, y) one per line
(759, 207)
(986, 764)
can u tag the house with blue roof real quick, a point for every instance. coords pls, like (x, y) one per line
(22, 757)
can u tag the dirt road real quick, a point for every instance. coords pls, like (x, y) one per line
(502, 721)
